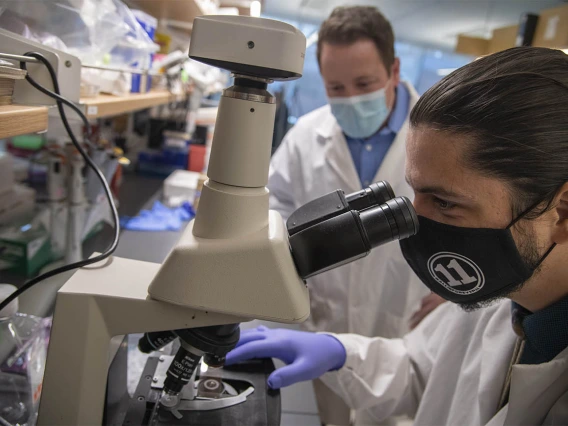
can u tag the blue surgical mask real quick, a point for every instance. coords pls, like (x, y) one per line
(361, 116)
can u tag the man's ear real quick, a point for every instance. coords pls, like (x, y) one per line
(395, 71)
(560, 233)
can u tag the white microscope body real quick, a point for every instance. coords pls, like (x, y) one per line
(233, 262)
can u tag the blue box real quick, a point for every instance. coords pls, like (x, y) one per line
(148, 22)
(162, 163)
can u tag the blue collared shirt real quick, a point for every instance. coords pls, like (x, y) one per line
(368, 154)
(546, 331)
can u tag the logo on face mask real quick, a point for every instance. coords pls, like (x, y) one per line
(456, 273)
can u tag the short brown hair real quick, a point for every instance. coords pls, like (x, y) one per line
(347, 25)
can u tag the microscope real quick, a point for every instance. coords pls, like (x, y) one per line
(237, 261)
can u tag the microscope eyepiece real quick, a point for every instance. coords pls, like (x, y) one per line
(393, 220)
(405, 216)
(374, 195)
(321, 239)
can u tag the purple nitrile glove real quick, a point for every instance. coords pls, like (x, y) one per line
(307, 355)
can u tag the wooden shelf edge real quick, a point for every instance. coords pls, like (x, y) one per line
(109, 105)
(179, 10)
(20, 120)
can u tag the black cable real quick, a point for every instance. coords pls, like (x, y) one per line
(60, 101)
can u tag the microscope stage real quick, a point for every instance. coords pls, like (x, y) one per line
(261, 406)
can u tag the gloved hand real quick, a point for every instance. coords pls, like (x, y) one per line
(307, 355)
(159, 218)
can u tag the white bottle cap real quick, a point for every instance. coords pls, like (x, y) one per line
(12, 308)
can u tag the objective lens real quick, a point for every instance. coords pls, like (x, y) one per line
(154, 341)
(181, 369)
(394, 220)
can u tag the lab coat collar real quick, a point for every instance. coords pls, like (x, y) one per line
(338, 156)
(535, 389)
(491, 384)
(328, 126)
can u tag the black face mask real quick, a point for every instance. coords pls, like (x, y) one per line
(467, 265)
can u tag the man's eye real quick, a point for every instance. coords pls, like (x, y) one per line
(363, 85)
(443, 204)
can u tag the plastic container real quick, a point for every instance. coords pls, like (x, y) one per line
(197, 158)
(179, 187)
(15, 203)
(23, 350)
(173, 139)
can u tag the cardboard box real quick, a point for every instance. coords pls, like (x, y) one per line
(24, 248)
(475, 46)
(503, 39)
(552, 28)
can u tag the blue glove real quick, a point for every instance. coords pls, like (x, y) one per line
(307, 355)
(160, 218)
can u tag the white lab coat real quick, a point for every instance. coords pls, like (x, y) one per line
(450, 370)
(374, 296)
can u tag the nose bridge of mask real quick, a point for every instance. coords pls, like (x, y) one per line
(369, 105)
(360, 116)
(360, 99)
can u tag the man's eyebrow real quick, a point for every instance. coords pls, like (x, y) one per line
(366, 77)
(434, 189)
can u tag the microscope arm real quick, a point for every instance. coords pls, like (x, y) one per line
(96, 304)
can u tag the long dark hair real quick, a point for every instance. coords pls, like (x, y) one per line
(513, 107)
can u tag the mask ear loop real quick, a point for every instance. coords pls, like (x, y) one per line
(522, 215)
(542, 259)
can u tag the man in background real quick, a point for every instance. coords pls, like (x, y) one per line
(355, 140)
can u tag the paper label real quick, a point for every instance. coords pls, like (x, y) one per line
(92, 110)
(34, 246)
(11, 251)
(551, 28)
